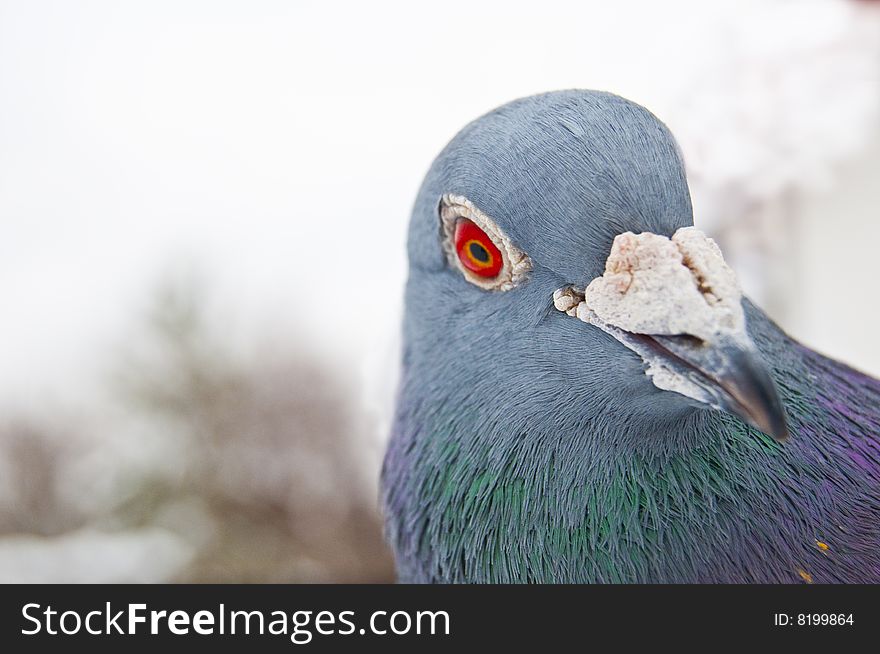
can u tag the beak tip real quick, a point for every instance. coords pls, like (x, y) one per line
(754, 395)
(780, 431)
(767, 418)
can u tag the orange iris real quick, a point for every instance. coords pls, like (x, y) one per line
(475, 249)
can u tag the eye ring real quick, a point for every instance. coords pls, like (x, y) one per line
(462, 225)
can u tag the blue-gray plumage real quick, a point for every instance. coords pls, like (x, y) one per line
(529, 446)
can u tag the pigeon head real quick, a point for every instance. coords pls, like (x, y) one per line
(557, 286)
(584, 389)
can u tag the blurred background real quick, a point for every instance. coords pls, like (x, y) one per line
(203, 208)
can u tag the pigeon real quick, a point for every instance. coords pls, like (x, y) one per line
(586, 396)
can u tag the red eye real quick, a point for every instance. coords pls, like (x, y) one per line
(475, 249)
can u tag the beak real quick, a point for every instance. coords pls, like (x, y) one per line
(677, 304)
(731, 372)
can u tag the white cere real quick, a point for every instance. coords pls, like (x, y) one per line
(656, 285)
